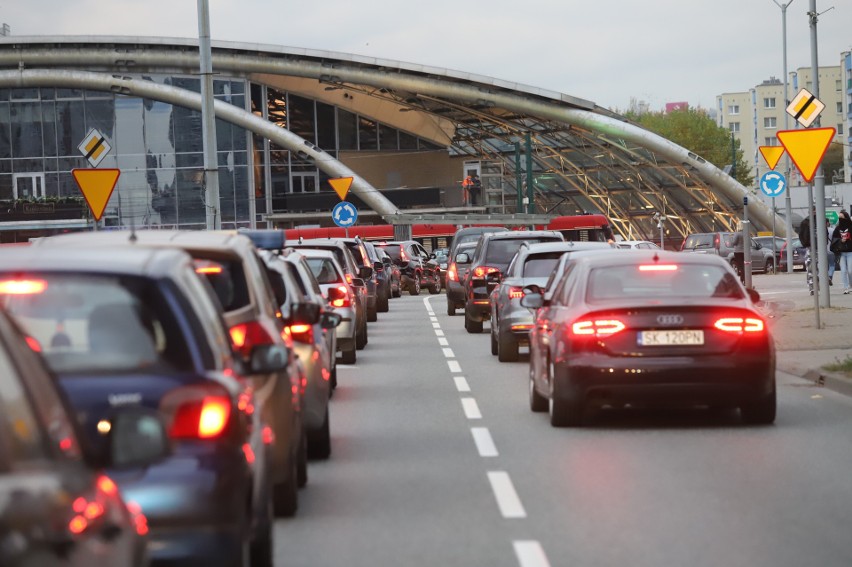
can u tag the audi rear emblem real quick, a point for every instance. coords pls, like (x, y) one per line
(670, 319)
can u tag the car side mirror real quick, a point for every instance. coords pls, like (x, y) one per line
(330, 320)
(432, 256)
(306, 313)
(365, 272)
(137, 437)
(358, 282)
(532, 300)
(378, 266)
(753, 294)
(265, 359)
(462, 258)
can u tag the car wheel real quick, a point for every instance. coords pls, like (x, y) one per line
(373, 314)
(302, 466)
(470, 325)
(361, 337)
(383, 302)
(414, 287)
(319, 442)
(285, 495)
(435, 287)
(398, 291)
(563, 413)
(261, 546)
(494, 347)
(538, 403)
(760, 412)
(348, 356)
(451, 308)
(507, 347)
(333, 379)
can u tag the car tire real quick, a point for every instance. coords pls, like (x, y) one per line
(319, 442)
(451, 308)
(285, 495)
(760, 412)
(414, 287)
(507, 347)
(538, 403)
(332, 381)
(435, 288)
(261, 546)
(470, 325)
(373, 314)
(563, 413)
(383, 302)
(302, 466)
(361, 337)
(398, 291)
(348, 357)
(494, 346)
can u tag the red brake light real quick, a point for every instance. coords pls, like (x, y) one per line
(658, 268)
(516, 293)
(339, 296)
(482, 271)
(200, 418)
(246, 336)
(452, 273)
(22, 287)
(740, 325)
(597, 327)
(301, 333)
(402, 255)
(33, 343)
(715, 241)
(349, 279)
(207, 267)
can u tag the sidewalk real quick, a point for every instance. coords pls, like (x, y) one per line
(802, 348)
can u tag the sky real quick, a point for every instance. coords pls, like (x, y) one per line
(605, 51)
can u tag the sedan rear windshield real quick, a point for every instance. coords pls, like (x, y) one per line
(101, 324)
(541, 265)
(323, 270)
(643, 282)
(698, 241)
(392, 250)
(501, 251)
(228, 280)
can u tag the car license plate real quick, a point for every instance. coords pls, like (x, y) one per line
(671, 338)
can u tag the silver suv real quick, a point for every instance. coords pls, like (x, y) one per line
(722, 244)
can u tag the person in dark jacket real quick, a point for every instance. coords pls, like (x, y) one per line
(841, 240)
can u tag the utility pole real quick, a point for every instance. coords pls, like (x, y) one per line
(819, 181)
(208, 120)
(788, 210)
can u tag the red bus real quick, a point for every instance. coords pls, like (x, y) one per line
(576, 228)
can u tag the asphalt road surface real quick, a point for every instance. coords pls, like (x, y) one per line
(437, 461)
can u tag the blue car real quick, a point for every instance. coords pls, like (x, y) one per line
(137, 327)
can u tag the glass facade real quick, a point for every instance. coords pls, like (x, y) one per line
(158, 148)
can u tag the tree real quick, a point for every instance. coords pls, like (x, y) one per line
(832, 163)
(694, 130)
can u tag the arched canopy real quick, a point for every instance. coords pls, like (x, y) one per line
(586, 158)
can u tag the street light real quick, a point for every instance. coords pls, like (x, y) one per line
(788, 209)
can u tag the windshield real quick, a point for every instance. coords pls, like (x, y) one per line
(541, 265)
(693, 281)
(392, 250)
(97, 324)
(323, 270)
(501, 251)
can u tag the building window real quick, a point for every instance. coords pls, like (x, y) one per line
(840, 129)
(734, 126)
(769, 102)
(770, 122)
(839, 108)
(838, 85)
(734, 109)
(770, 141)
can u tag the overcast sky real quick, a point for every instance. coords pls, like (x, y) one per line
(606, 51)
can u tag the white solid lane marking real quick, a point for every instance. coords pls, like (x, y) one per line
(484, 443)
(530, 554)
(471, 409)
(443, 342)
(461, 384)
(436, 325)
(507, 499)
(439, 332)
(448, 352)
(454, 366)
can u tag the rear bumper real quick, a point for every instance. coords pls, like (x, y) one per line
(455, 292)
(208, 545)
(729, 380)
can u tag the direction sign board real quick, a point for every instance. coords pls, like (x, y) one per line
(832, 217)
(805, 108)
(94, 147)
(344, 214)
(341, 186)
(97, 186)
(772, 184)
(807, 148)
(771, 155)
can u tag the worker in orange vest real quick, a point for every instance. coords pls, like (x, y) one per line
(472, 187)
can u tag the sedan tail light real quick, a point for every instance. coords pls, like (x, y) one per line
(596, 328)
(301, 333)
(482, 271)
(22, 287)
(197, 412)
(452, 273)
(740, 325)
(339, 296)
(89, 511)
(516, 293)
(246, 336)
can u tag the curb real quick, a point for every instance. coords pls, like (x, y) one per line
(830, 380)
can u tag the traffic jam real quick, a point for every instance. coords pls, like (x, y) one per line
(169, 390)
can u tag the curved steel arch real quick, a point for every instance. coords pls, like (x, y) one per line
(181, 97)
(696, 208)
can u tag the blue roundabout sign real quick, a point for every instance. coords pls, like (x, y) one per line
(344, 214)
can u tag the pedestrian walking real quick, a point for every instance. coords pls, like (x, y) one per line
(843, 233)
(736, 244)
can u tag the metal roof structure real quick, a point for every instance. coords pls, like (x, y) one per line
(585, 158)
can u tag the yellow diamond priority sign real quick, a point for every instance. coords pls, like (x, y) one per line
(807, 148)
(97, 186)
(341, 186)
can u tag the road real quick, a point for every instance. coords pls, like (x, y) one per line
(437, 460)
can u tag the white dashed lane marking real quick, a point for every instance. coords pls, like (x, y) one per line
(439, 332)
(530, 554)
(471, 408)
(484, 443)
(448, 352)
(443, 342)
(455, 367)
(507, 499)
(461, 384)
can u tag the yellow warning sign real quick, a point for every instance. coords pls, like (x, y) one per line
(807, 148)
(771, 154)
(341, 186)
(97, 186)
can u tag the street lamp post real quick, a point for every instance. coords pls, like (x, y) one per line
(788, 209)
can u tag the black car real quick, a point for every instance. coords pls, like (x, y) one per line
(417, 270)
(57, 507)
(653, 328)
(493, 253)
(457, 275)
(382, 276)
